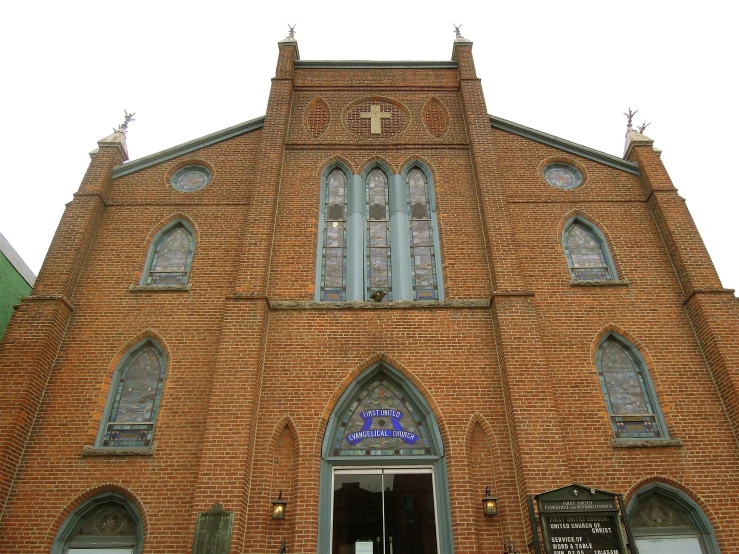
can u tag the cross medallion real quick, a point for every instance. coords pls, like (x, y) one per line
(375, 116)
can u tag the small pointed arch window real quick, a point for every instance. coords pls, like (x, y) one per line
(665, 519)
(333, 254)
(135, 396)
(378, 266)
(170, 256)
(587, 252)
(628, 391)
(423, 252)
(108, 523)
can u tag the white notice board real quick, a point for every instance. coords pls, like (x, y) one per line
(363, 547)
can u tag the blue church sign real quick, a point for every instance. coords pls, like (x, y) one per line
(366, 432)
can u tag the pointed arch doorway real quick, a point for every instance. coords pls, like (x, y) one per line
(383, 472)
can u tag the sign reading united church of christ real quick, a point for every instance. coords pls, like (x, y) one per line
(580, 520)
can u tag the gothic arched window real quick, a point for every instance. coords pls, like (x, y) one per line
(423, 252)
(333, 255)
(664, 519)
(133, 403)
(587, 252)
(629, 395)
(106, 524)
(379, 273)
(170, 256)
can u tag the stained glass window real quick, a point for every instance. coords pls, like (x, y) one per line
(423, 257)
(626, 390)
(585, 254)
(138, 392)
(105, 525)
(333, 261)
(378, 235)
(381, 422)
(170, 262)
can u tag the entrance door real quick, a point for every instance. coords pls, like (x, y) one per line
(384, 511)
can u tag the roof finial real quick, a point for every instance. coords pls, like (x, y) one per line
(123, 127)
(629, 117)
(292, 30)
(643, 126)
(456, 30)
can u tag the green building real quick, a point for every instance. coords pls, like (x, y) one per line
(16, 281)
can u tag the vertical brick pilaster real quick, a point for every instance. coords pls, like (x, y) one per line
(226, 461)
(33, 338)
(711, 308)
(540, 459)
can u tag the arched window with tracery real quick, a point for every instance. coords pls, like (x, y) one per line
(106, 524)
(665, 520)
(135, 396)
(628, 391)
(170, 256)
(587, 252)
(423, 252)
(333, 255)
(379, 272)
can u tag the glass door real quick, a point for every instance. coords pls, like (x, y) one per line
(384, 511)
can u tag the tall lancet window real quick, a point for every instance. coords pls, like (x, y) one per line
(629, 396)
(171, 256)
(423, 257)
(587, 253)
(134, 402)
(378, 236)
(333, 260)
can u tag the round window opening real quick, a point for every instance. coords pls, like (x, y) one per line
(190, 178)
(562, 175)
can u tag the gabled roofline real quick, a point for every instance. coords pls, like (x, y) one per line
(562, 144)
(372, 64)
(187, 147)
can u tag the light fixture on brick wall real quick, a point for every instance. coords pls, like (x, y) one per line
(278, 508)
(489, 504)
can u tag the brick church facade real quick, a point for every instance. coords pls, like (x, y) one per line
(366, 311)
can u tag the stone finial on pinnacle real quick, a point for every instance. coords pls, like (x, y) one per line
(457, 30)
(292, 30)
(629, 116)
(127, 118)
(635, 136)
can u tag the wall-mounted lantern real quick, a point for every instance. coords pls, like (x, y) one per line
(489, 504)
(278, 508)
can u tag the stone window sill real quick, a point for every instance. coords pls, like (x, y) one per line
(396, 305)
(88, 450)
(600, 283)
(159, 288)
(645, 443)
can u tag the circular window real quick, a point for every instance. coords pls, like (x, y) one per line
(190, 178)
(562, 175)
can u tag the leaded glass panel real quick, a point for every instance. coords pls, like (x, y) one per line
(626, 393)
(333, 260)
(423, 262)
(585, 254)
(378, 235)
(136, 402)
(170, 263)
(381, 422)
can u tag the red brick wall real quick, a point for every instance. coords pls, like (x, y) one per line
(251, 383)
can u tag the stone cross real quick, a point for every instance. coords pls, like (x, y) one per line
(375, 116)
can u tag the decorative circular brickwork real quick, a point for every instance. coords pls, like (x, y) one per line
(435, 117)
(397, 122)
(317, 116)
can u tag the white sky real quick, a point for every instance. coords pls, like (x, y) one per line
(187, 69)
